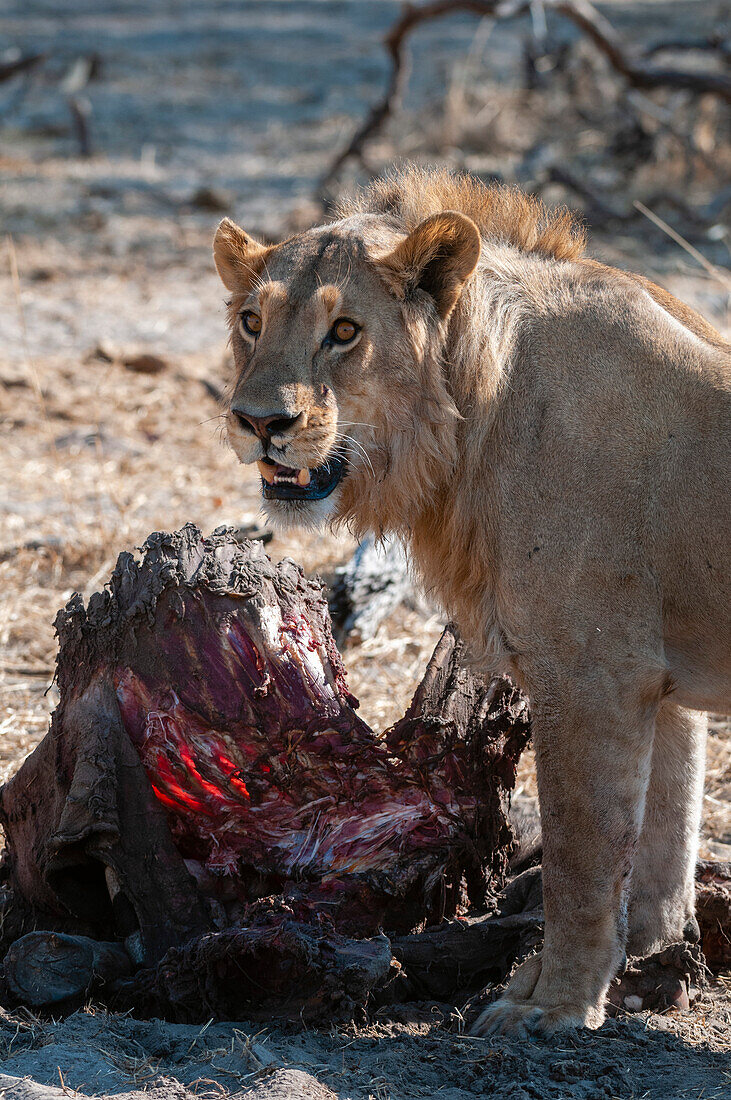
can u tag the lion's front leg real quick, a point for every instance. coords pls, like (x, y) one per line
(593, 742)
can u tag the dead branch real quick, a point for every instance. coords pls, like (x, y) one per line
(607, 41)
(83, 70)
(588, 20)
(21, 65)
(372, 584)
(80, 109)
(394, 44)
(712, 43)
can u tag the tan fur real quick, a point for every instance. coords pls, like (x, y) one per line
(501, 213)
(550, 438)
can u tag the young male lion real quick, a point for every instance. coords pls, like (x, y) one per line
(551, 439)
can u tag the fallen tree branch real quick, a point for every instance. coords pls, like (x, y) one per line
(588, 20)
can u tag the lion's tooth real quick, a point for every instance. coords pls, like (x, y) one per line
(267, 472)
(303, 478)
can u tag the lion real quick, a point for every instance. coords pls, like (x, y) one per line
(550, 438)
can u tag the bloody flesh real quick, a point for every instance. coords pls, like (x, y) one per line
(269, 776)
(217, 670)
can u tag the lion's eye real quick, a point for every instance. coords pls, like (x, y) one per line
(343, 331)
(251, 322)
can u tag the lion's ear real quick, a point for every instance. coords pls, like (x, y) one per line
(237, 256)
(438, 257)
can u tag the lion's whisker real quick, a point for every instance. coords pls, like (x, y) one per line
(359, 448)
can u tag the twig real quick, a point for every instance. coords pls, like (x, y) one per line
(73, 84)
(20, 65)
(712, 270)
(80, 109)
(714, 43)
(589, 21)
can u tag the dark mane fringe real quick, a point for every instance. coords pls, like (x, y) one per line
(502, 213)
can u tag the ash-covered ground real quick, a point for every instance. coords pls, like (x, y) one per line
(419, 1054)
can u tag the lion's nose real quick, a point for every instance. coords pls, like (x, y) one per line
(265, 426)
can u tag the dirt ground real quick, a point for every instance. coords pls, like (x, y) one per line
(650, 1058)
(206, 107)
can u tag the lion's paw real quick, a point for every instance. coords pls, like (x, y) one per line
(527, 1019)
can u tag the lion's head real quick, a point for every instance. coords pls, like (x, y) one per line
(336, 336)
(344, 338)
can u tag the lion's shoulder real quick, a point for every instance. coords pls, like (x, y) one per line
(589, 299)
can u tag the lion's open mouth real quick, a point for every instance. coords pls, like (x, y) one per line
(288, 483)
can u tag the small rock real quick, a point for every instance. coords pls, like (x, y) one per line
(286, 1084)
(263, 1056)
(566, 1070)
(42, 275)
(663, 1023)
(145, 363)
(516, 1092)
(212, 198)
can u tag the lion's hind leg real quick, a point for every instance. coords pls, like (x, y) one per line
(662, 891)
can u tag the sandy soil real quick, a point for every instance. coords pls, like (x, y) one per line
(204, 108)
